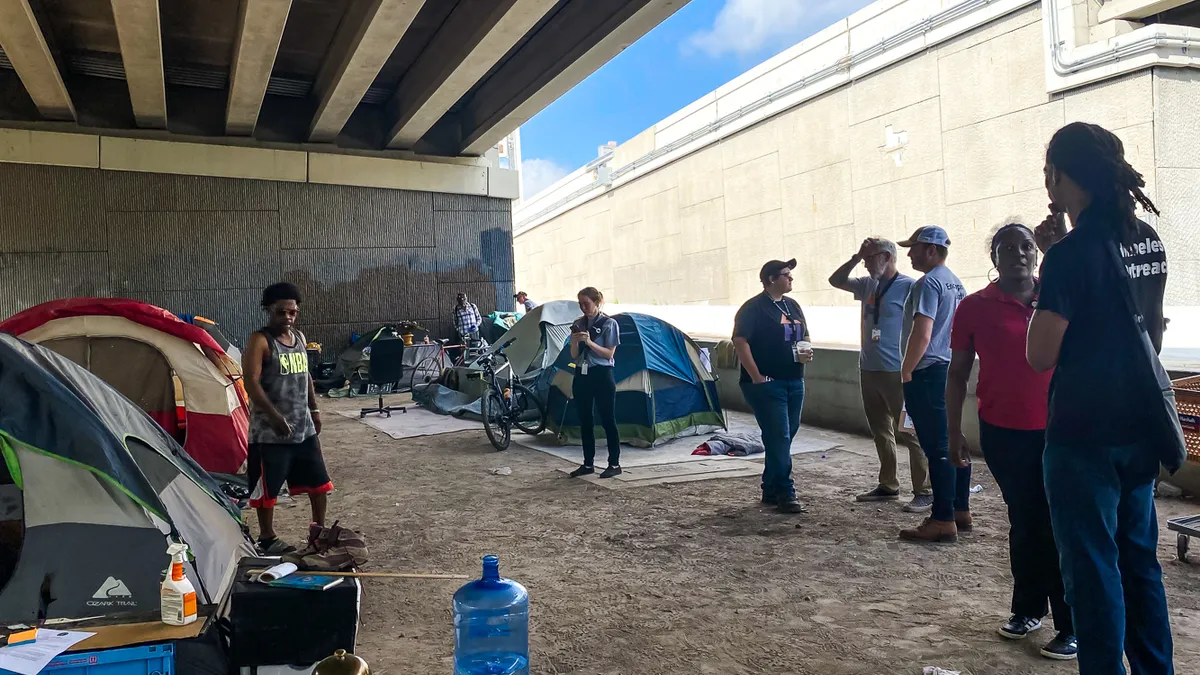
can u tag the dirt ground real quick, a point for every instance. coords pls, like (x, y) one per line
(686, 578)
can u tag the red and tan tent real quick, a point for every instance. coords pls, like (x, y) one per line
(151, 356)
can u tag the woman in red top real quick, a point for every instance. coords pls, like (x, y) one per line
(1013, 402)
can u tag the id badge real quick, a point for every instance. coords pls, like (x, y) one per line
(906, 421)
(876, 335)
(583, 368)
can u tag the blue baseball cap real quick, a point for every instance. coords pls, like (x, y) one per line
(930, 234)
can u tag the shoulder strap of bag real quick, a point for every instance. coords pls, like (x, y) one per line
(1126, 285)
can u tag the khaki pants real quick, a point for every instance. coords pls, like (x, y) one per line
(883, 399)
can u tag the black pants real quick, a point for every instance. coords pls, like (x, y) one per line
(1015, 459)
(598, 387)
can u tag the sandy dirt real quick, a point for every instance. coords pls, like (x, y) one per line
(686, 578)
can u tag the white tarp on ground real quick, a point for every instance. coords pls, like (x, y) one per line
(416, 422)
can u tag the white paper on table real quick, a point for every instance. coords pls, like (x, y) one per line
(277, 572)
(29, 659)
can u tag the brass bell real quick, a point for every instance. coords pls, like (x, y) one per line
(342, 663)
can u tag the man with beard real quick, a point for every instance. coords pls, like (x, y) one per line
(882, 293)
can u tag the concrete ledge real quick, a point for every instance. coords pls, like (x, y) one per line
(832, 397)
(198, 159)
(22, 146)
(468, 176)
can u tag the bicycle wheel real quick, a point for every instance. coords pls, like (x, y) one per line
(528, 412)
(426, 372)
(495, 420)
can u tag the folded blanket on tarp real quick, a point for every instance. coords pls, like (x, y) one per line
(733, 444)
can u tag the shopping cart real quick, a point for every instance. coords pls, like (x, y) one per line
(1187, 400)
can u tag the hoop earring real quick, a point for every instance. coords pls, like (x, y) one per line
(989, 275)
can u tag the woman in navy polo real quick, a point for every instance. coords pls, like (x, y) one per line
(1012, 430)
(594, 340)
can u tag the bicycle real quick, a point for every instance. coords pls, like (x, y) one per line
(431, 368)
(502, 407)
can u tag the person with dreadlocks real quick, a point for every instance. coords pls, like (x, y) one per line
(1012, 430)
(1100, 464)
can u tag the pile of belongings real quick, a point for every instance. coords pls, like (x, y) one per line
(732, 444)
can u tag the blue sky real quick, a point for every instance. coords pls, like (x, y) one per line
(702, 46)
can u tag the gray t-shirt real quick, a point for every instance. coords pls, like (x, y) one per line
(935, 295)
(882, 355)
(604, 331)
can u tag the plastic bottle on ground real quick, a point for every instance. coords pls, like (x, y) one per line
(491, 625)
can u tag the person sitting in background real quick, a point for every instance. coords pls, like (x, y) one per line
(1102, 448)
(1012, 430)
(928, 314)
(523, 300)
(467, 320)
(882, 293)
(770, 335)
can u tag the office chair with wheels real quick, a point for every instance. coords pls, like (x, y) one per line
(386, 367)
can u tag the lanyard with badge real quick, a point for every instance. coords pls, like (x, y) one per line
(793, 332)
(876, 332)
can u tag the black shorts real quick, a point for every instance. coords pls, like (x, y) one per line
(301, 465)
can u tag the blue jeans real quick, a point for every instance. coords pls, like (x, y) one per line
(776, 405)
(925, 400)
(1102, 506)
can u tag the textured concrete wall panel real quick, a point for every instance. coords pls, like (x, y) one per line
(46, 208)
(993, 78)
(1177, 116)
(201, 245)
(30, 278)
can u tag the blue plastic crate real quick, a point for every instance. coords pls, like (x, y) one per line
(148, 660)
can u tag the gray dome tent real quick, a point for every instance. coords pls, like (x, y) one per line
(97, 488)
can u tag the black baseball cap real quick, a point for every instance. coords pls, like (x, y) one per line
(774, 268)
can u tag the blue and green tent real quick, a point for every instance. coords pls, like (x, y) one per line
(663, 389)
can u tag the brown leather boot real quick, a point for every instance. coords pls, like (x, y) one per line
(964, 521)
(932, 531)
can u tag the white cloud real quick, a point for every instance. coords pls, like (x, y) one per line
(539, 174)
(746, 27)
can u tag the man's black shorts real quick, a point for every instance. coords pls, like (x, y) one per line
(299, 464)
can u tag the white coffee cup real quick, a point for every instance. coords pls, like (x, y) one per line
(803, 352)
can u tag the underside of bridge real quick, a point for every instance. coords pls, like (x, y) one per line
(437, 77)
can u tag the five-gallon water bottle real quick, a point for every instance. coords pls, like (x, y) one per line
(491, 625)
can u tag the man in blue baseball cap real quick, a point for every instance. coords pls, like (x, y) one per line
(928, 315)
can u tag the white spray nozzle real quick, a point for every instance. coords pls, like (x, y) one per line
(177, 550)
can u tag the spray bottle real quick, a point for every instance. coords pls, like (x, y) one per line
(178, 597)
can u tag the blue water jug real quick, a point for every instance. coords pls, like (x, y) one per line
(491, 625)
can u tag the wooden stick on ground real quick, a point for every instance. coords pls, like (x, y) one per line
(379, 575)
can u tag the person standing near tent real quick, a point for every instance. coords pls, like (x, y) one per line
(882, 293)
(523, 300)
(1012, 430)
(1099, 324)
(594, 340)
(284, 418)
(928, 316)
(770, 335)
(467, 319)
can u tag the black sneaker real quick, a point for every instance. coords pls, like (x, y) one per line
(919, 504)
(583, 471)
(879, 494)
(791, 505)
(1019, 627)
(1063, 647)
(770, 500)
(274, 547)
(610, 472)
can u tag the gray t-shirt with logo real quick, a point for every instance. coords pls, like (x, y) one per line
(882, 355)
(935, 295)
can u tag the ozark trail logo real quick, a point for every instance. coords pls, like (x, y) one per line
(112, 593)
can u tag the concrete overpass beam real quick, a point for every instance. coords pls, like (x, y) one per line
(365, 39)
(472, 41)
(29, 52)
(260, 28)
(582, 37)
(140, 35)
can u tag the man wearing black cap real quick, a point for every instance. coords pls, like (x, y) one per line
(523, 300)
(928, 316)
(770, 336)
